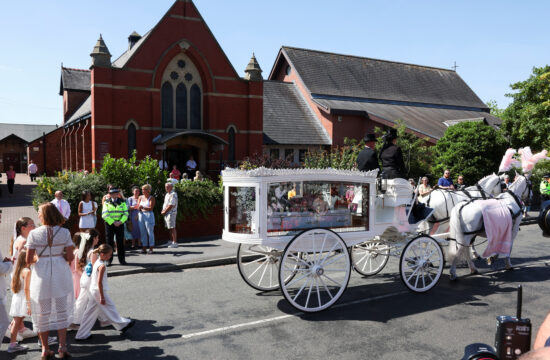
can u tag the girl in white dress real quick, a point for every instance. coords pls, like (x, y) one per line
(101, 303)
(51, 289)
(23, 227)
(20, 301)
(84, 260)
(87, 212)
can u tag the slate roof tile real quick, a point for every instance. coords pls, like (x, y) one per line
(287, 117)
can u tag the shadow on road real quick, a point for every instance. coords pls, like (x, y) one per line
(144, 331)
(22, 196)
(467, 290)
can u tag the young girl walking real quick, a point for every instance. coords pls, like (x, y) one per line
(86, 260)
(21, 299)
(101, 304)
(23, 227)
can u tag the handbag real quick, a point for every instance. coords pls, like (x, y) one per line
(88, 269)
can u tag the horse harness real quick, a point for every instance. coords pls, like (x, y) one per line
(514, 216)
(466, 192)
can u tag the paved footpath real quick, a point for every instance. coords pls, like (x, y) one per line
(189, 254)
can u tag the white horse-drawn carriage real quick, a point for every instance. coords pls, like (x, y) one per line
(296, 229)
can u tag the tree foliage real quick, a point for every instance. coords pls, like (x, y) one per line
(417, 154)
(527, 118)
(472, 149)
(339, 157)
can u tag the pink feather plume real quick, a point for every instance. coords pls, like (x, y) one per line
(507, 160)
(528, 160)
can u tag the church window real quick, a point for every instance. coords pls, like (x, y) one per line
(131, 139)
(195, 107)
(181, 106)
(167, 105)
(288, 69)
(181, 95)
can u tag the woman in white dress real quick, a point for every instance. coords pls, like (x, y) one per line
(87, 212)
(49, 252)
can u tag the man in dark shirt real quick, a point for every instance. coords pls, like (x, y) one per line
(368, 159)
(460, 185)
(391, 156)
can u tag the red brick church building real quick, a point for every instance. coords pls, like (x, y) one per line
(173, 93)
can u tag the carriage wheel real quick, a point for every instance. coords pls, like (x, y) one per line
(259, 266)
(369, 258)
(321, 273)
(421, 263)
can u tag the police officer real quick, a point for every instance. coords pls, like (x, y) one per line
(391, 156)
(115, 214)
(368, 159)
(545, 188)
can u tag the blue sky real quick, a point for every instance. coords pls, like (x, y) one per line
(494, 43)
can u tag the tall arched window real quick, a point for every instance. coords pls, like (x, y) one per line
(195, 107)
(131, 139)
(181, 95)
(181, 107)
(231, 136)
(167, 105)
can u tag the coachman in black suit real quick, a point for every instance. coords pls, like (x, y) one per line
(392, 157)
(368, 159)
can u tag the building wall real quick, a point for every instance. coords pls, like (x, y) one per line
(13, 152)
(46, 154)
(72, 101)
(133, 93)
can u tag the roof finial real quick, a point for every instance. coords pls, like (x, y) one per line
(253, 70)
(100, 54)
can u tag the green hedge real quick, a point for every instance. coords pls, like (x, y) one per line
(194, 197)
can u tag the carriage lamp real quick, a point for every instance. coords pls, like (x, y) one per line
(383, 183)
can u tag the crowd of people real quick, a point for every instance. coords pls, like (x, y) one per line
(60, 281)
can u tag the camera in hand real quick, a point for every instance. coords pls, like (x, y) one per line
(512, 338)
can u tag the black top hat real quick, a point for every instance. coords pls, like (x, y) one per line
(390, 134)
(369, 138)
(546, 176)
(113, 190)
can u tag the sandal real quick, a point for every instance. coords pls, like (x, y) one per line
(48, 355)
(63, 353)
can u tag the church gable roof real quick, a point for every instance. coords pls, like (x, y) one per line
(74, 79)
(287, 119)
(127, 55)
(338, 75)
(83, 111)
(25, 132)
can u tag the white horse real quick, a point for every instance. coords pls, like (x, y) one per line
(467, 222)
(443, 201)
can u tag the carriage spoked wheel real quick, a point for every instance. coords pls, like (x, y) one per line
(370, 258)
(421, 263)
(259, 266)
(321, 272)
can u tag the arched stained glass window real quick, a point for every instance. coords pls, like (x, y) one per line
(181, 107)
(195, 107)
(131, 139)
(231, 135)
(167, 105)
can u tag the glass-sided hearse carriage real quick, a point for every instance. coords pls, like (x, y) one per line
(303, 229)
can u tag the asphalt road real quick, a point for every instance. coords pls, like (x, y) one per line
(211, 313)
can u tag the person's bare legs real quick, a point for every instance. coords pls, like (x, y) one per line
(62, 335)
(43, 336)
(173, 235)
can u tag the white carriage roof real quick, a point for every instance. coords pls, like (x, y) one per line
(264, 172)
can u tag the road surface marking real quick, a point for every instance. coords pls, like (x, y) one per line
(282, 317)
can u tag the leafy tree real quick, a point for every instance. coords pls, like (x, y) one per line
(527, 118)
(472, 149)
(495, 110)
(416, 153)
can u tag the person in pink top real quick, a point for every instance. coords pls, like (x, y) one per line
(10, 174)
(175, 172)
